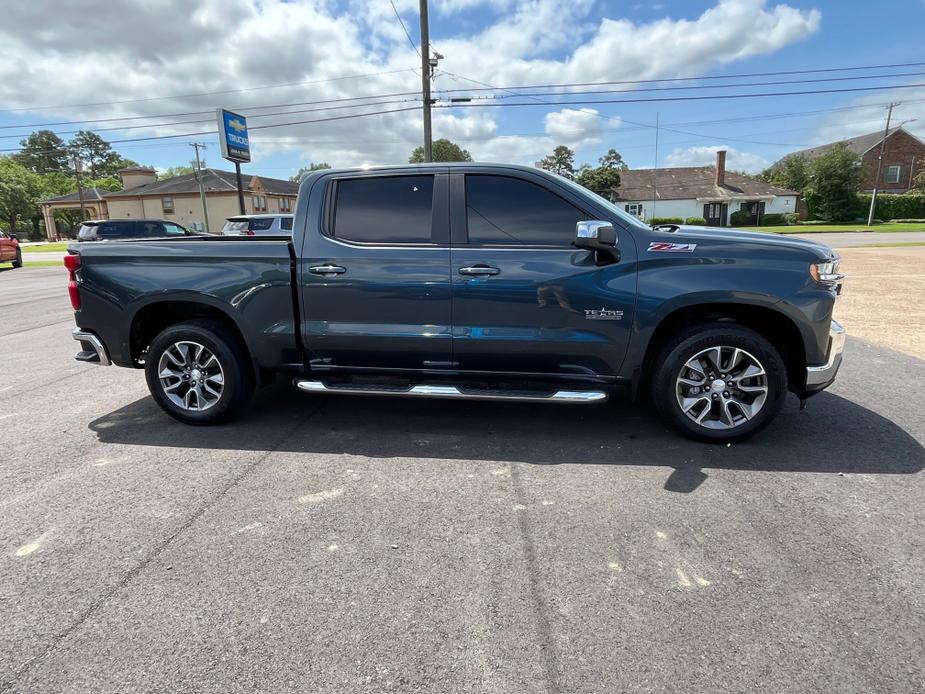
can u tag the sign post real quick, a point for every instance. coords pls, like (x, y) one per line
(232, 134)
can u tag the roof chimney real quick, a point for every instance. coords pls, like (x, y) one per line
(137, 176)
(720, 167)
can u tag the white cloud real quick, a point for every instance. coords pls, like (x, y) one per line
(870, 116)
(704, 156)
(577, 127)
(139, 49)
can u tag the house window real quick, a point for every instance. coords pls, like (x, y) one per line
(260, 203)
(893, 173)
(285, 205)
(167, 205)
(634, 208)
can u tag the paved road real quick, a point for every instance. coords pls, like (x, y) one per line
(368, 545)
(836, 240)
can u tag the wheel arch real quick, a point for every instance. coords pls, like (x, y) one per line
(153, 317)
(775, 326)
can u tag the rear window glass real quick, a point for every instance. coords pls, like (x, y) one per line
(391, 209)
(286, 223)
(236, 226)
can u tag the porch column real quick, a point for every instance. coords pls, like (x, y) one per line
(51, 231)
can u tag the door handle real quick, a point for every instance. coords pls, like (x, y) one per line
(479, 270)
(327, 270)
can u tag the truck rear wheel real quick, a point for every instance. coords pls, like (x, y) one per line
(199, 373)
(719, 382)
(17, 262)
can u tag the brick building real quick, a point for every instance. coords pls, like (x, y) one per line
(903, 158)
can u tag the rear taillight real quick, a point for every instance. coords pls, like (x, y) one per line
(249, 232)
(72, 263)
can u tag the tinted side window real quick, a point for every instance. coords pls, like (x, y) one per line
(261, 224)
(392, 209)
(174, 229)
(286, 223)
(148, 229)
(113, 230)
(509, 211)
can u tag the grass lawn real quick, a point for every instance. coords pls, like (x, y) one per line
(43, 263)
(57, 247)
(886, 227)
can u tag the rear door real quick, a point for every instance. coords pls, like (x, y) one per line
(375, 281)
(525, 300)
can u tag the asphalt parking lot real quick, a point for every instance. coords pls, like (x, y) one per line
(371, 545)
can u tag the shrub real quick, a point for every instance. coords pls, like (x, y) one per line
(792, 218)
(772, 219)
(896, 206)
(739, 218)
(696, 221)
(665, 220)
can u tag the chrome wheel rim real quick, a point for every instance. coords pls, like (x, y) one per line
(722, 387)
(191, 376)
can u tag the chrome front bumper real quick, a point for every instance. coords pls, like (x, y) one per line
(818, 377)
(92, 351)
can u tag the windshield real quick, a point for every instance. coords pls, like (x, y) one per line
(611, 207)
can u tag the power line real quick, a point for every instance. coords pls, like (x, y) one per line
(688, 98)
(689, 79)
(223, 91)
(208, 120)
(256, 127)
(404, 28)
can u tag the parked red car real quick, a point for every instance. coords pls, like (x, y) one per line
(10, 252)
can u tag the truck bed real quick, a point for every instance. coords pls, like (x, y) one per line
(126, 287)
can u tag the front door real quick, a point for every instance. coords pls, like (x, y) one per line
(715, 214)
(525, 300)
(376, 282)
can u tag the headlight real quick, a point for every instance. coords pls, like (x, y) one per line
(826, 272)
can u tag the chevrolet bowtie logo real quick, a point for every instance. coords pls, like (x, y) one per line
(235, 124)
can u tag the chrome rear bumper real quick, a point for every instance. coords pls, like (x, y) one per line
(818, 377)
(92, 351)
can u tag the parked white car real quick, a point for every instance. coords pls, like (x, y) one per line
(258, 225)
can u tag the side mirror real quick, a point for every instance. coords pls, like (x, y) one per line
(14, 237)
(599, 237)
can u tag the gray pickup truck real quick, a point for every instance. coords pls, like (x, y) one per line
(468, 281)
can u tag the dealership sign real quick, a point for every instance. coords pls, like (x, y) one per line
(232, 132)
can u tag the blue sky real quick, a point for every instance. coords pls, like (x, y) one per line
(137, 59)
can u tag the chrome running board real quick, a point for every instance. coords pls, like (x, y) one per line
(455, 393)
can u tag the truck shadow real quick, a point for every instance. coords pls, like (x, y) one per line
(834, 435)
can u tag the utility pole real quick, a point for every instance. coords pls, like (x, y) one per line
(655, 170)
(425, 82)
(873, 197)
(202, 191)
(80, 190)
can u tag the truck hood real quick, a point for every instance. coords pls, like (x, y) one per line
(756, 238)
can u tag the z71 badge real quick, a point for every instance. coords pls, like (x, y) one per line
(603, 314)
(667, 247)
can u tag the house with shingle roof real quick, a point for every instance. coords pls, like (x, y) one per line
(177, 199)
(709, 192)
(903, 158)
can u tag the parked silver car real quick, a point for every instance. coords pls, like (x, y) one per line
(258, 225)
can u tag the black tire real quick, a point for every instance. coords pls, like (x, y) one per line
(671, 362)
(18, 261)
(238, 385)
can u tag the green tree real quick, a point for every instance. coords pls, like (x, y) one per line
(833, 183)
(97, 154)
(561, 161)
(43, 152)
(108, 183)
(613, 160)
(20, 191)
(918, 182)
(172, 171)
(443, 150)
(308, 169)
(601, 180)
(791, 172)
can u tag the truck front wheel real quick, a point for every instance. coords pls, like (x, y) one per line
(719, 382)
(198, 372)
